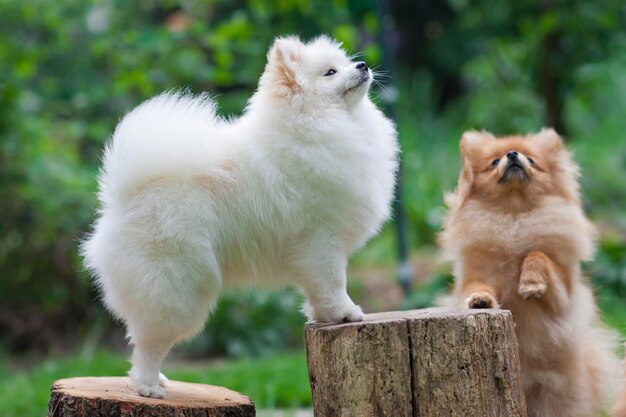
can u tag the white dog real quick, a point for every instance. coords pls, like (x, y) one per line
(284, 194)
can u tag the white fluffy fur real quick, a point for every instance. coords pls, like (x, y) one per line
(284, 194)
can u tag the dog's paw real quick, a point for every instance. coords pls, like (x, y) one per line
(532, 289)
(348, 313)
(152, 391)
(355, 314)
(147, 384)
(481, 299)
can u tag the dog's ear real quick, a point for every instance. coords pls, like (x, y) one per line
(283, 59)
(472, 142)
(564, 168)
(470, 145)
(464, 186)
(549, 140)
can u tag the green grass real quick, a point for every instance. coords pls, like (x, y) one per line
(275, 381)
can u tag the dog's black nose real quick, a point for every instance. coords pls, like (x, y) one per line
(512, 155)
(362, 66)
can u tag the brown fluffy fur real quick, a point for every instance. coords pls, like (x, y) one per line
(517, 238)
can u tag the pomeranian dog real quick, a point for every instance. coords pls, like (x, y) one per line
(283, 194)
(516, 234)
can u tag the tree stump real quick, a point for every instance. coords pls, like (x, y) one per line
(421, 363)
(113, 396)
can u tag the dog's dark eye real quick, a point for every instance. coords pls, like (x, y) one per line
(531, 161)
(330, 72)
(495, 162)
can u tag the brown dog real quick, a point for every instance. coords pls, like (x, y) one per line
(516, 233)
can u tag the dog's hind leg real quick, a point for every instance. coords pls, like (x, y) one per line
(173, 306)
(163, 290)
(158, 326)
(148, 356)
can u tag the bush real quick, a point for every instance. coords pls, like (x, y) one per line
(251, 324)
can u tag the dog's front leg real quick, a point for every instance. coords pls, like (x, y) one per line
(540, 279)
(477, 294)
(319, 266)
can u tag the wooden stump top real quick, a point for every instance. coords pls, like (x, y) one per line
(432, 313)
(105, 396)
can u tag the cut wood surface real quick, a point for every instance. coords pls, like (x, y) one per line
(420, 363)
(114, 396)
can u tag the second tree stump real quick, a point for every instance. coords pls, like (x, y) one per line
(422, 363)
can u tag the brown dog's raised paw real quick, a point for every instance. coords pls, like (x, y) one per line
(481, 299)
(532, 290)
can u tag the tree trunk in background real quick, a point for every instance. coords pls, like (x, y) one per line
(422, 363)
(551, 85)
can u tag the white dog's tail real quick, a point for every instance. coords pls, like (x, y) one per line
(171, 135)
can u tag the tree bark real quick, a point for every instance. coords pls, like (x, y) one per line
(422, 363)
(113, 396)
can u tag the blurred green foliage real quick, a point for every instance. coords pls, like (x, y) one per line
(533, 61)
(611, 266)
(251, 324)
(70, 69)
